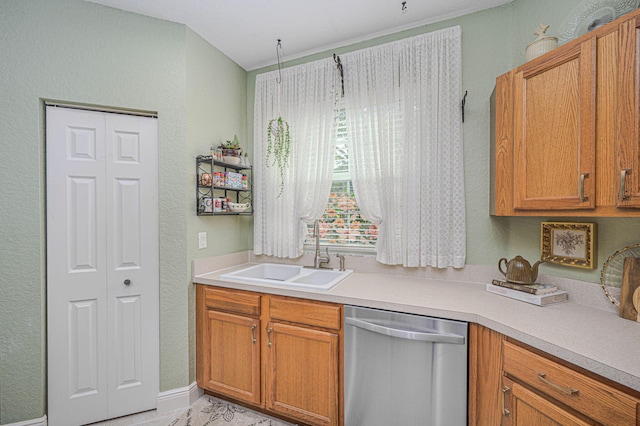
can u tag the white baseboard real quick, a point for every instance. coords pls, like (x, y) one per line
(176, 399)
(42, 421)
(167, 401)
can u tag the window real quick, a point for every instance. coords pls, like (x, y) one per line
(342, 225)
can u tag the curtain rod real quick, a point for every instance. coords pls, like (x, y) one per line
(102, 109)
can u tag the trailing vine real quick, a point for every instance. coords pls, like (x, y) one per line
(278, 146)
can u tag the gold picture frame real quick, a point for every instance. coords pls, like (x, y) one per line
(568, 243)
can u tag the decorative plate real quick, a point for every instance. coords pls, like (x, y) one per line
(611, 274)
(591, 14)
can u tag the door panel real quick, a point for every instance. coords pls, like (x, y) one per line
(76, 267)
(128, 341)
(132, 247)
(83, 348)
(127, 245)
(82, 231)
(302, 373)
(628, 167)
(101, 230)
(232, 361)
(554, 132)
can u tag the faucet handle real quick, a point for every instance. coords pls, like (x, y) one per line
(326, 258)
(341, 257)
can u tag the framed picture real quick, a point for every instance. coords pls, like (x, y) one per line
(568, 243)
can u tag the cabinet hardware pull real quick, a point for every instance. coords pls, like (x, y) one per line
(583, 197)
(505, 412)
(623, 178)
(568, 391)
(253, 333)
(269, 336)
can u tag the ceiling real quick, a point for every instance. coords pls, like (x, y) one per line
(247, 30)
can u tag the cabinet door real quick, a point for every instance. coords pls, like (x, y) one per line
(231, 361)
(526, 408)
(554, 131)
(302, 373)
(628, 167)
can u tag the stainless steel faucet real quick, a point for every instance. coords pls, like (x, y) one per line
(320, 260)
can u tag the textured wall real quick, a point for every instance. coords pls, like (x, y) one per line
(216, 110)
(75, 51)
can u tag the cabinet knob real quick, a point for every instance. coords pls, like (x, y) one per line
(127, 281)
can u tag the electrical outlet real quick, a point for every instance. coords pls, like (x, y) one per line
(202, 240)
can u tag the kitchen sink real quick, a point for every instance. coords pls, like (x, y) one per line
(294, 276)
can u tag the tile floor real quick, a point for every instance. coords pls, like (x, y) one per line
(206, 410)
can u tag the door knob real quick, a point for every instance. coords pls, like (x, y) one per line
(127, 281)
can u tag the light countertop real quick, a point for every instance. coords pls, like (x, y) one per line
(595, 339)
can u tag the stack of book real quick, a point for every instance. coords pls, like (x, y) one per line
(536, 294)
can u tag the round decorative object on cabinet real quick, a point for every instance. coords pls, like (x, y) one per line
(542, 44)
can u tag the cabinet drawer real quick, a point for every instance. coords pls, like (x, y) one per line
(316, 314)
(596, 400)
(235, 301)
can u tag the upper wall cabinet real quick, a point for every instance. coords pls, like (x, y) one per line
(628, 117)
(565, 129)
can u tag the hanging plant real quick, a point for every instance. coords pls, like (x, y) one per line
(278, 146)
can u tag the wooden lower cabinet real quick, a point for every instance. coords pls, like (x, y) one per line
(511, 384)
(302, 373)
(280, 354)
(565, 389)
(526, 408)
(232, 355)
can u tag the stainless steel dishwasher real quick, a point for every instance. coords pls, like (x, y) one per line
(403, 369)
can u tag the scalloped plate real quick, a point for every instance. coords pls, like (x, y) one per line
(591, 14)
(611, 274)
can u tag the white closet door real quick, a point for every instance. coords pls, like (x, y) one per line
(102, 229)
(132, 257)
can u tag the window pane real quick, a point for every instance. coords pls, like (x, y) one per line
(341, 223)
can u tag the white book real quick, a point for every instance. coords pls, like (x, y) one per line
(559, 296)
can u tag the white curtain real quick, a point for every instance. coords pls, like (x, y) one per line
(404, 125)
(305, 98)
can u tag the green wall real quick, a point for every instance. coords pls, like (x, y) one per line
(493, 42)
(75, 51)
(216, 110)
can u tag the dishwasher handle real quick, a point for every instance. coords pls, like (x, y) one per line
(406, 334)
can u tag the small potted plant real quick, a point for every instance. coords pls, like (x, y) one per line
(278, 146)
(231, 151)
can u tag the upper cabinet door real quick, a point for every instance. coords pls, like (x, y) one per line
(628, 165)
(554, 131)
